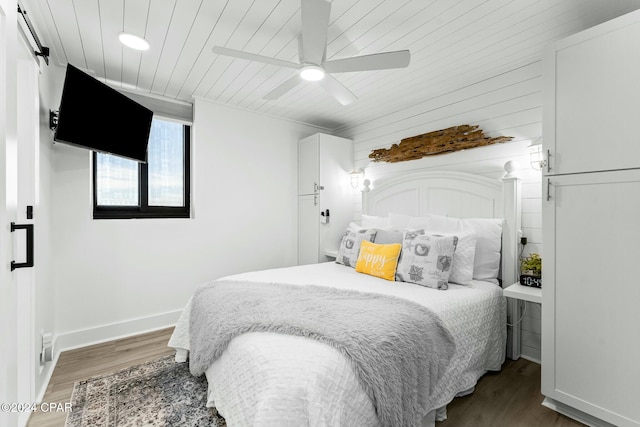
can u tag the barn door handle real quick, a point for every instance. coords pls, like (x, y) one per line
(29, 262)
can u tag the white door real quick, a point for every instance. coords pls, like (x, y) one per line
(593, 99)
(591, 291)
(308, 229)
(26, 238)
(8, 201)
(308, 165)
(18, 136)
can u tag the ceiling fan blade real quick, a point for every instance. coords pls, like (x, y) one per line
(315, 22)
(376, 61)
(253, 57)
(336, 89)
(283, 88)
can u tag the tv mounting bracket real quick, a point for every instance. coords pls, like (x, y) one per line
(53, 119)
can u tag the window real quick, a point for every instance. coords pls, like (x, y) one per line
(124, 188)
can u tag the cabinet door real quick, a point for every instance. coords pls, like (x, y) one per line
(596, 92)
(308, 229)
(591, 293)
(308, 165)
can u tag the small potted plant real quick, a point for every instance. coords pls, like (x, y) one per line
(531, 270)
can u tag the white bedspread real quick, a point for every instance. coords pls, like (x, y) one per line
(269, 379)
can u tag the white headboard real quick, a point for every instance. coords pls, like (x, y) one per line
(454, 194)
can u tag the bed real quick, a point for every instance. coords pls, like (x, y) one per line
(268, 378)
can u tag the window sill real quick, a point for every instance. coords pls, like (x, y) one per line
(140, 215)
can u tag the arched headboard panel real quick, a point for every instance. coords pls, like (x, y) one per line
(454, 194)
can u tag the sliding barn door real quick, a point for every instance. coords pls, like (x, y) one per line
(26, 238)
(19, 143)
(8, 194)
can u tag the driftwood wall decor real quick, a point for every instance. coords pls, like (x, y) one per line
(437, 142)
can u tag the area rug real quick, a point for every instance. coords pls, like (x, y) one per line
(157, 393)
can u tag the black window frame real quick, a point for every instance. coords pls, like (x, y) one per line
(144, 210)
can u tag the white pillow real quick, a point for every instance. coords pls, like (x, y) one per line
(399, 221)
(426, 259)
(444, 224)
(486, 265)
(371, 221)
(419, 222)
(488, 232)
(462, 269)
(350, 244)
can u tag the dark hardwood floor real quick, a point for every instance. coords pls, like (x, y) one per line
(510, 398)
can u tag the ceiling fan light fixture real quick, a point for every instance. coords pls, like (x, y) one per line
(312, 73)
(133, 41)
(312, 49)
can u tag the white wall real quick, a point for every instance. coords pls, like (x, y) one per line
(507, 104)
(119, 277)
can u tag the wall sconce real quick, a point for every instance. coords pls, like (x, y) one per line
(355, 177)
(535, 154)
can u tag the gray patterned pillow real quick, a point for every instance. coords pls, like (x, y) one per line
(350, 244)
(426, 259)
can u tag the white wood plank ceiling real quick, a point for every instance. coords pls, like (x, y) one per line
(453, 43)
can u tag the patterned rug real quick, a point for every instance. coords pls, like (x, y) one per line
(156, 393)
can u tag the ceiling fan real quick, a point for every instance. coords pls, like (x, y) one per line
(312, 48)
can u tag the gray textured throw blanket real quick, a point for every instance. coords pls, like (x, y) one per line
(398, 349)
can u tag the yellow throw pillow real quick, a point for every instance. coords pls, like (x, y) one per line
(378, 260)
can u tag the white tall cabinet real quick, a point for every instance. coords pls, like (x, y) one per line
(591, 225)
(324, 163)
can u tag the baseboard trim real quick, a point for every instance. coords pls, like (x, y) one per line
(574, 413)
(43, 387)
(85, 337)
(531, 359)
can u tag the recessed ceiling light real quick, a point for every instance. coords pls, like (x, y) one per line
(134, 42)
(312, 73)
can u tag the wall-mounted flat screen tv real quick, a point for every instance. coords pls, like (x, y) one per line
(94, 116)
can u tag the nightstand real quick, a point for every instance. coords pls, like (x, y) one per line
(524, 293)
(517, 293)
(331, 254)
